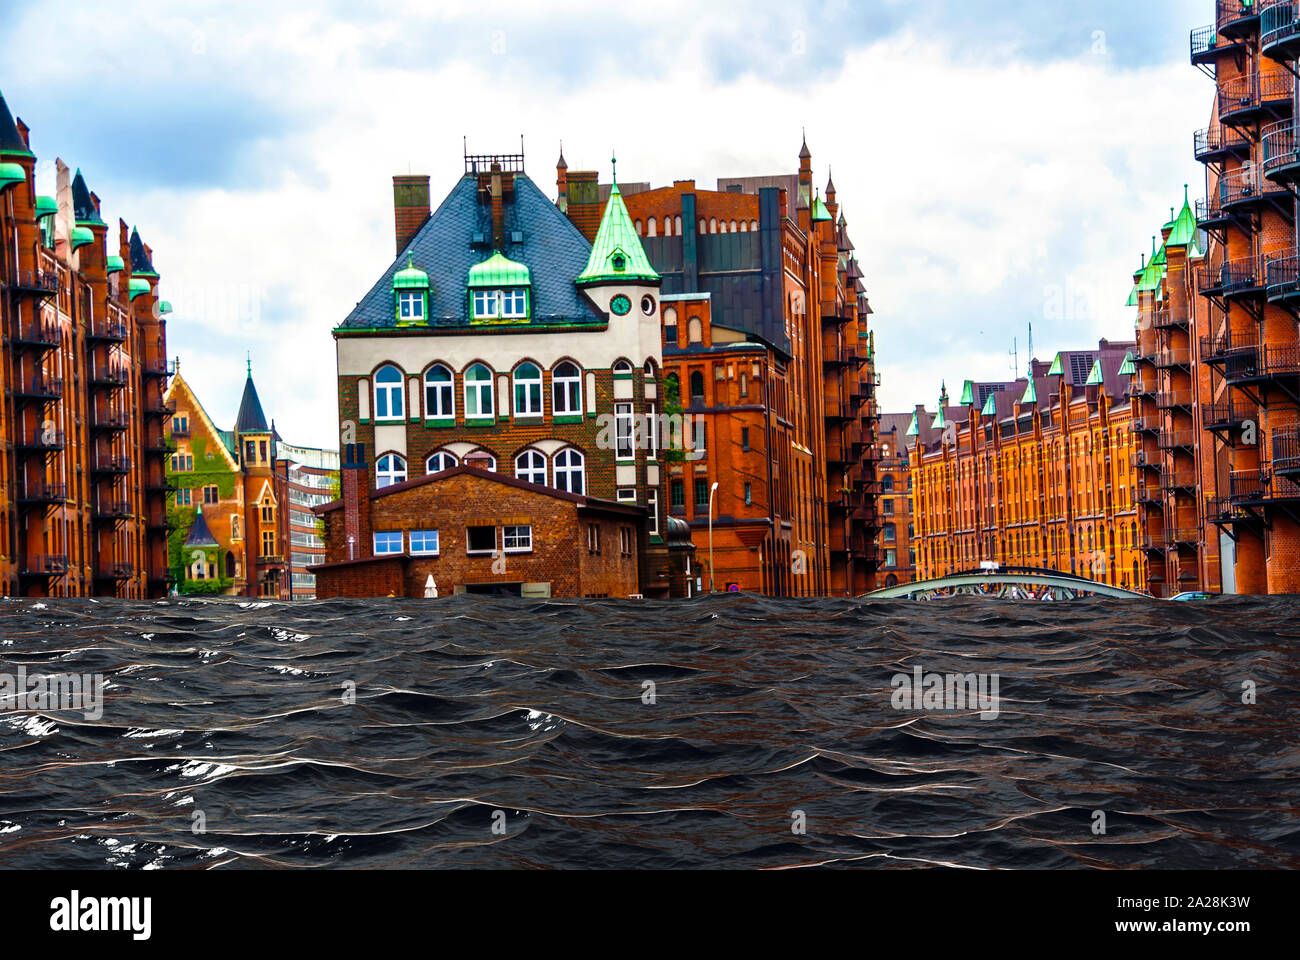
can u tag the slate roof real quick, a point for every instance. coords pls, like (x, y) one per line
(553, 249)
(200, 535)
(251, 419)
(141, 264)
(10, 142)
(83, 208)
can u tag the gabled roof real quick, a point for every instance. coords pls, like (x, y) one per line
(251, 419)
(553, 249)
(819, 211)
(225, 440)
(1184, 229)
(1095, 377)
(912, 430)
(10, 142)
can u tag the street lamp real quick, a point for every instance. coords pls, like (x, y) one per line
(712, 491)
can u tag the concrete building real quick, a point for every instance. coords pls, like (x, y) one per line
(82, 374)
(311, 479)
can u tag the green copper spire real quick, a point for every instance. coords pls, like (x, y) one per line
(968, 394)
(819, 211)
(1094, 378)
(1056, 369)
(616, 253)
(990, 408)
(940, 422)
(912, 429)
(1030, 394)
(1127, 369)
(1184, 228)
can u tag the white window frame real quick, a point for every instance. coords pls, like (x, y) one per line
(440, 455)
(566, 387)
(439, 395)
(410, 305)
(387, 535)
(390, 394)
(568, 470)
(652, 504)
(496, 538)
(422, 537)
(502, 304)
(536, 462)
(624, 432)
(393, 474)
(484, 393)
(521, 534)
(530, 388)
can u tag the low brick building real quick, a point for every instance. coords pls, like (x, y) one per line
(471, 530)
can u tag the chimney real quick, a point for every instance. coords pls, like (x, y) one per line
(354, 487)
(410, 206)
(498, 209)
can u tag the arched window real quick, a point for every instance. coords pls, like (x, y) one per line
(566, 390)
(668, 226)
(531, 467)
(697, 389)
(887, 483)
(638, 228)
(389, 470)
(695, 330)
(482, 459)
(733, 226)
(230, 565)
(528, 390)
(649, 369)
(744, 226)
(713, 225)
(622, 368)
(478, 393)
(439, 461)
(753, 226)
(568, 471)
(677, 225)
(388, 394)
(651, 228)
(439, 394)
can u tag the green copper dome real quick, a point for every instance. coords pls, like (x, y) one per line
(10, 174)
(1095, 378)
(81, 236)
(138, 286)
(46, 206)
(164, 306)
(616, 253)
(412, 277)
(497, 270)
(1184, 229)
(114, 264)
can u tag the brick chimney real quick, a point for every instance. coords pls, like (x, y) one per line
(354, 486)
(410, 206)
(498, 208)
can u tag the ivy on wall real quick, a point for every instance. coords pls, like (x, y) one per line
(210, 470)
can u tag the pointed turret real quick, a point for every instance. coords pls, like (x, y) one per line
(141, 262)
(200, 534)
(251, 419)
(616, 254)
(84, 210)
(11, 141)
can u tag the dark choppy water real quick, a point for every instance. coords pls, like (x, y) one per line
(469, 706)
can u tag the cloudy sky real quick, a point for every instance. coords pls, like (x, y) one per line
(999, 163)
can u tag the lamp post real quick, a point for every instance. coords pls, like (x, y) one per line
(712, 491)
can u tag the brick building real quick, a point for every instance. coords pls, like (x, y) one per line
(501, 333)
(1037, 472)
(82, 374)
(231, 478)
(1243, 337)
(896, 547)
(468, 529)
(766, 348)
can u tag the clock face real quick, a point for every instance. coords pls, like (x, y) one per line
(620, 305)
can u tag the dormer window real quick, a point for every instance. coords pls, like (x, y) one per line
(618, 261)
(501, 304)
(411, 289)
(410, 305)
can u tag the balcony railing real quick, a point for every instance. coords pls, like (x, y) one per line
(1225, 416)
(41, 282)
(1146, 493)
(111, 330)
(1216, 349)
(1245, 185)
(1176, 357)
(1262, 363)
(116, 571)
(108, 419)
(1169, 319)
(1168, 399)
(39, 438)
(1181, 536)
(1279, 30)
(110, 464)
(1286, 451)
(1177, 439)
(1235, 15)
(1245, 485)
(1248, 94)
(1178, 480)
(44, 565)
(41, 492)
(1215, 142)
(1234, 277)
(38, 388)
(157, 405)
(37, 335)
(113, 509)
(1281, 151)
(112, 374)
(1282, 275)
(1210, 213)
